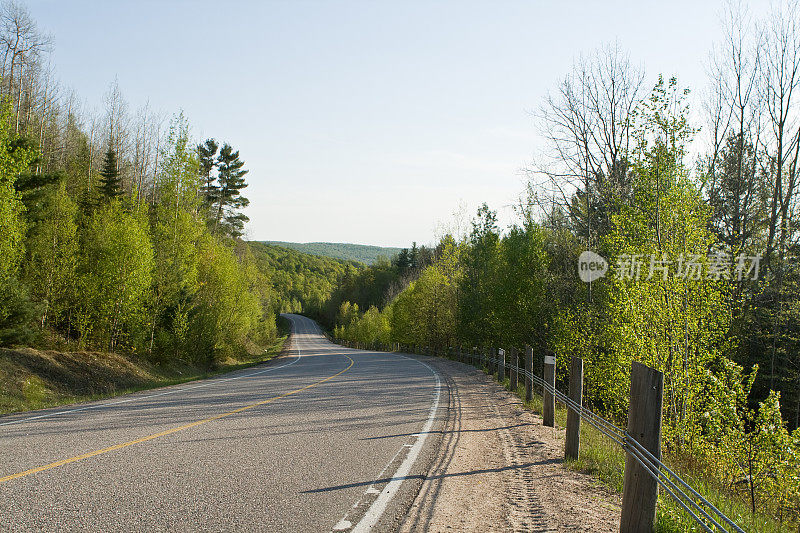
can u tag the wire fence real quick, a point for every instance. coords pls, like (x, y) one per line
(699, 508)
(690, 500)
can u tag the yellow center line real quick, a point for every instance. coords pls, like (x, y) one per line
(168, 431)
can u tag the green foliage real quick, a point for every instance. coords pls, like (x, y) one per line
(424, 313)
(371, 328)
(300, 282)
(522, 275)
(130, 242)
(114, 277)
(52, 250)
(18, 313)
(226, 311)
(759, 457)
(14, 158)
(478, 320)
(127, 275)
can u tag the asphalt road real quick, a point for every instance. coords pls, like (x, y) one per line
(325, 438)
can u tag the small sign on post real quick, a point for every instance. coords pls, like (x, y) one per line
(549, 400)
(501, 365)
(514, 372)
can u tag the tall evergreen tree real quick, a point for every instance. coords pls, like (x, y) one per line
(229, 197)
(206, 155)
(413, 256)
(110, 181)
(402, 262)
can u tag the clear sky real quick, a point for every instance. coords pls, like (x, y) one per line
(369, 121)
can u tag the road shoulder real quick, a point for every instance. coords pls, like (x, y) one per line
(499, 469)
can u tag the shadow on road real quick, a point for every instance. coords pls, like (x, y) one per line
(423, 477)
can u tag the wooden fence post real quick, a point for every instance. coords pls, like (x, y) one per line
(513, 377)
(529, 373)
(573, 443)
(549, 405)
(640, 489)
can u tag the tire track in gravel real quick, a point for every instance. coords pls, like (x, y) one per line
(419, 518)
(500, 469)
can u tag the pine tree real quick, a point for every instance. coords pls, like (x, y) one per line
(229, 198)
(403, 262)
(206, 154)
(110, 182)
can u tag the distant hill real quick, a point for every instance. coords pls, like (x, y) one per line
(349, 252)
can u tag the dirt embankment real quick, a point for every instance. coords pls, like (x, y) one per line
(34, 379)
(30, 378)
(500, 469)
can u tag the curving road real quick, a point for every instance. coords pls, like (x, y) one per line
(325, 438)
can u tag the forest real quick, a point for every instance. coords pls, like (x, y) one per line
(693, 210)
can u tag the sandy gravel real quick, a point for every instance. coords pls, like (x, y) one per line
(499, 469)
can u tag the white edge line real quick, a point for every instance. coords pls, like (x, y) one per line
(378, 507)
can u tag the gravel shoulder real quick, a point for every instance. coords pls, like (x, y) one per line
(499, 469)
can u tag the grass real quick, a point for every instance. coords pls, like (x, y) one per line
(37, 379)
(604, 459)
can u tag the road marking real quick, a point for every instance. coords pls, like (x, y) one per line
(379, 505)
(169, 431)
